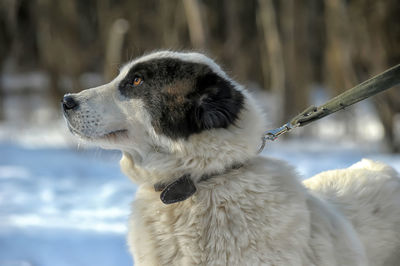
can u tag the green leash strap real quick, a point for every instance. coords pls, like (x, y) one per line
(368, 88)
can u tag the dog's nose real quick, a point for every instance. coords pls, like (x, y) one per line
(69, 103)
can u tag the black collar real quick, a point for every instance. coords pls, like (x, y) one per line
(183, 187)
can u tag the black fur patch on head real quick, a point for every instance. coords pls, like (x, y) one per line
(183, 98)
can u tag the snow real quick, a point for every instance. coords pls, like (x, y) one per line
(62, 206)
(64, 203)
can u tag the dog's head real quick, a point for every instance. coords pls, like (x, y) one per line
(171, 112)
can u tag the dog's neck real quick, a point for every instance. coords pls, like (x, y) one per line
(184, 187)
(176, 189)
(164, 168)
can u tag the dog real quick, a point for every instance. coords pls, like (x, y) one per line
(189, 135)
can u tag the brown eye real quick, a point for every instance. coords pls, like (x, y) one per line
(137, 81)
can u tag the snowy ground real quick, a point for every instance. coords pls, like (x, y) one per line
(60, 205)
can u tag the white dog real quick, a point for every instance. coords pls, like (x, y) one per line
(189, 135)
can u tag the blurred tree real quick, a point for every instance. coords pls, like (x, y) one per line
(63, 43)
(114, 46)
(296, 56)
(15, 17)
(171, 23)
(272, 39)
(195, 23)
(5, 43)
(339, 70)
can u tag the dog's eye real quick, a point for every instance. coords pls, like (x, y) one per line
(137, 81)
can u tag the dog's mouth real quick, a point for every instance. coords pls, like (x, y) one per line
(111, 136)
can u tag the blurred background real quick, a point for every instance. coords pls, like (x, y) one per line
(66, 203)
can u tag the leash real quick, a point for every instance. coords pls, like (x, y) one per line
(368, 88)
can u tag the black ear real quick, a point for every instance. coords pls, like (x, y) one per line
(219, 103)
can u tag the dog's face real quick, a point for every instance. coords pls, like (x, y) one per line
(162, 95)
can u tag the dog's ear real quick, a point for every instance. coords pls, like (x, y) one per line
(218, 104)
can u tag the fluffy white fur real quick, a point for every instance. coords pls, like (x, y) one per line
(259, 214)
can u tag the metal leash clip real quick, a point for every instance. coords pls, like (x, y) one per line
(297, 121)
(274, 134)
